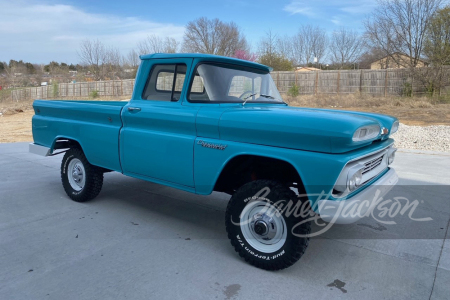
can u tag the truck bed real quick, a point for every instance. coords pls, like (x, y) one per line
(95, 125)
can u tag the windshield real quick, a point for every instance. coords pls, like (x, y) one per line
(226, 83)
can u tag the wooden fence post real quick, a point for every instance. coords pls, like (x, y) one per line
(386, 83)
(338, 81)
(278, 80)
(316, 83)
(361, 76)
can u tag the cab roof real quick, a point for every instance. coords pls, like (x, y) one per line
(208, 57)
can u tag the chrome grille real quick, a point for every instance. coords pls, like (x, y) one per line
(372, 164)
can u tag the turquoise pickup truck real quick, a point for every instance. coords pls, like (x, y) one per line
(204, 123)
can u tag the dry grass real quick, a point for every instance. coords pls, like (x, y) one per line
(15, 119)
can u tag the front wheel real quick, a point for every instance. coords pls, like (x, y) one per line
(81, 180)
(261, 231)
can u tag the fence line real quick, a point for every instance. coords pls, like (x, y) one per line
(369, 82)
(79, 89)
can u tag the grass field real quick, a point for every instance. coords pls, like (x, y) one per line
(15, 121)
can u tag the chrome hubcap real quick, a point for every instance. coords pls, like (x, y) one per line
(263, 227)
(76, 174)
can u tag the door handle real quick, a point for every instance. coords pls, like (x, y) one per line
(134, 109)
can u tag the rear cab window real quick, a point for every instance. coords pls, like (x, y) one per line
(165, 82)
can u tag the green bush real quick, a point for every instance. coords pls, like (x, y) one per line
(293, 91)
(94, 94)
(55, 90)
(407, 90)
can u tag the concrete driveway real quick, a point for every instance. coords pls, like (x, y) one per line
(140, 240)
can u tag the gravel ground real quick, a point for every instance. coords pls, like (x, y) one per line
(432, 138)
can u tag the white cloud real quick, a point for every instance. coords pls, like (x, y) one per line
(336, 20)
(299, 7)
(360, 8)
(43, 32)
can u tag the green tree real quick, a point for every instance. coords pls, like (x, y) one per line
(437, 43)
(276, 61)
(437, 50)
(30, 68)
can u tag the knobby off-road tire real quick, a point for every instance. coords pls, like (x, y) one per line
(81, 180)
(280, 247)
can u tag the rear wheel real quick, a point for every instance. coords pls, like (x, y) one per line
(81, 180)
(260, 231)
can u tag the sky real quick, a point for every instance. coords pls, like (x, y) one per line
(40, 31)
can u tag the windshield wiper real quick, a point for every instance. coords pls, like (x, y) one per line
(267, 96)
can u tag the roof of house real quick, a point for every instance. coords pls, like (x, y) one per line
(304, 69)
(208, 57)
(397, 53)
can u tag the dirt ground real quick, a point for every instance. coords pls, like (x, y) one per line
(15, 121)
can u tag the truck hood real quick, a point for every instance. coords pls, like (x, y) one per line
(320, 130)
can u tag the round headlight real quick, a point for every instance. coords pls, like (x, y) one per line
(391, 157)
(351, 184)
(394, 127)
(354, 181)
(358, 177)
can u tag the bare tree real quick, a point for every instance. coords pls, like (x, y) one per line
(399, 26)
(213, 37)
(268, 44)
(312, 41)
(113, 61)
(132, 59)
(93, 54)
(346, 47)
(286, 48)
(157, 44)
(298, 49)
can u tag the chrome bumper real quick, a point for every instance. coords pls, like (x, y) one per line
(353, 209)
(39, 150)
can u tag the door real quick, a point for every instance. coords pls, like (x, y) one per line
(158, 134)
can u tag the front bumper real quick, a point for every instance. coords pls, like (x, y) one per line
(356, 207)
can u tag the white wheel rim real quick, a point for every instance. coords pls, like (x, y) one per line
(76, 174)
(267, 216)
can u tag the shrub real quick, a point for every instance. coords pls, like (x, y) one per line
(94, 94)
(293, 91)
(55, 90)
(407, 90)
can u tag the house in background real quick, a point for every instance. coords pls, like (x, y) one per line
(395, 61)
(306, 69)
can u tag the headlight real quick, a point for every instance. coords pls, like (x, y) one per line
(366, 133)
(394, 127)
(391, 155)
(355, 180)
